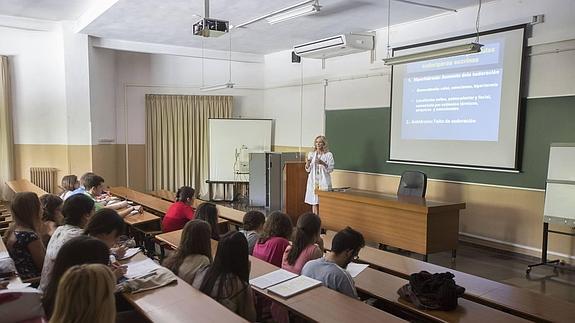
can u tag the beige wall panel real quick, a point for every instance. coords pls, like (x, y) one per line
(105, 163)
(137, 158)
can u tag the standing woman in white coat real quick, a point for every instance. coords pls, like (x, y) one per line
(319, 164)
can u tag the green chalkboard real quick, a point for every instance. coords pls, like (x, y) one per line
(359, 140)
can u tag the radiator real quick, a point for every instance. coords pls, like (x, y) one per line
(44, 177)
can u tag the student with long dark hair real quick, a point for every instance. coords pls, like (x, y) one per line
(77, 251)
(195, 251)
(23, 238)
(304, 247)
(275, 238)
(209, 213)
(77, 210)
(181, 211)
(227, 279)
(52, 215)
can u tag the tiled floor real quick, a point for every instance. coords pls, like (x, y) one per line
(508, 268)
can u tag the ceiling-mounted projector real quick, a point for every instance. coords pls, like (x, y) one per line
(209, 27)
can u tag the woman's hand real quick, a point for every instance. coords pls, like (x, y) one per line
(118, 270)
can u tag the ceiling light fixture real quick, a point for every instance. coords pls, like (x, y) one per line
(228, 85)
(468, 48)
(304, 8)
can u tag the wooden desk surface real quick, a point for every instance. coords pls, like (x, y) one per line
(179, 302)
(140, 218)
(515, 300)
(144, 199)
(24, 185)
(384, 286)
(412, 203)
(320, 304)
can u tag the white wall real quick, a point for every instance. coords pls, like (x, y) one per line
(141, 73)
(102, 94)
(38, 85)
(353, 81)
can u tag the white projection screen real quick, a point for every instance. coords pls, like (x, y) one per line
(459, 111)
(228, 136)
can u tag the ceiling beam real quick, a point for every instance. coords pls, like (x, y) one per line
(98, 8)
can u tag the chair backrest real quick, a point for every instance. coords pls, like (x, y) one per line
(413, 183)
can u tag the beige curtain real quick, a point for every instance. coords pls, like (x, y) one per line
(6, 138)
(177, 139)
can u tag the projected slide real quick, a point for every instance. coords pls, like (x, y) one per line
(455, 98)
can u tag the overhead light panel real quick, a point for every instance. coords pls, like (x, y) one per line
(457, 50)
(228, 85)
(305, 10)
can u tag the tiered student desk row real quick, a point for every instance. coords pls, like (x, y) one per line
(480, 293)
(319, 304)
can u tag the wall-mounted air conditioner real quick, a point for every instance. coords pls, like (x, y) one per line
(335, 46)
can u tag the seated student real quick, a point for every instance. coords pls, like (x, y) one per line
(94, 185)
(209, 213)
(181, 211)
(86, 294)
(330, 269)
(82, 187)
(23, 238)
(69, 183)
(195, 251)
(107, 226)
(227, 279)
(274, 238)
(77, 210)
(253, 224)
(51, 216)
(304, 247)
(78, 251)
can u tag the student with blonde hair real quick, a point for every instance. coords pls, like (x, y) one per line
(70, 183)
(85, 294)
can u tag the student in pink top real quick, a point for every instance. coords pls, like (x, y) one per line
(305, 244)
(274, 239)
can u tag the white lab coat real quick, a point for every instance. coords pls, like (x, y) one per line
(319, 175)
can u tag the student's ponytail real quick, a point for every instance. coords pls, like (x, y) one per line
(308, 226)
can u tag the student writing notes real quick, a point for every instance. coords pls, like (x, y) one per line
(330, 269)
(227, 279)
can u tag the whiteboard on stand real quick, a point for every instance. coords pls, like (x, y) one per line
(230, 140)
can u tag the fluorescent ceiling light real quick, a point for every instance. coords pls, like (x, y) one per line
(435, 53)
(228, 85)
(303, 8)
(309, 9)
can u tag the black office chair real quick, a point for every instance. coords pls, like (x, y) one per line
(413, 183)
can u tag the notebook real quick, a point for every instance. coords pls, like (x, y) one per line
(142, 267)
(273, 278)
(294, 286)
(355, 269)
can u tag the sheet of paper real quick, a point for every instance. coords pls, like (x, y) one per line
(273, 278)
(130, 253)
(4, 254)
(355, 269)
(294, 286)
(139, 268)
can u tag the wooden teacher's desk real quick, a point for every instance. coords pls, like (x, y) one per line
(406, 222)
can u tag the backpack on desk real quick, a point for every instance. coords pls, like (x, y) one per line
(432, 291)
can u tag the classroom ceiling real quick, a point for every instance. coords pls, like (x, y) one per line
(55, 10)
(170, 21)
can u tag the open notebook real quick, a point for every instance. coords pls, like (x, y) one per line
(273, 278)
(294, 286)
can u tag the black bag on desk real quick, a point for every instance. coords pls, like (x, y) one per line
(432, 291)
